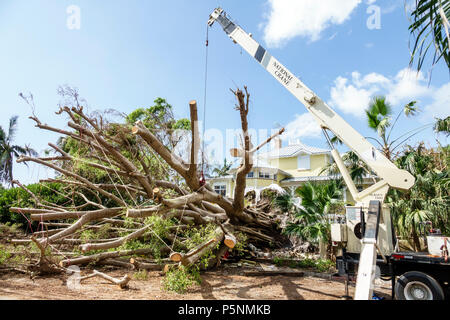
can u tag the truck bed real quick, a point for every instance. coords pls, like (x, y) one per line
(418, 257)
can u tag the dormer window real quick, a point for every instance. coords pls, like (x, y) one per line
(304, 162)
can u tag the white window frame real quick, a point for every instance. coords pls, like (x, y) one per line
(221, 189)
(264, 175)
(306, 164)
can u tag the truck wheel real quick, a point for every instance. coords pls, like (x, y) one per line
(415, 285)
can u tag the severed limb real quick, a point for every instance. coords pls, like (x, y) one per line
(195, 254)
(122, 283)
(139, 265)
(45, 265)
(116, 263)
(115, 243)
(104, 255)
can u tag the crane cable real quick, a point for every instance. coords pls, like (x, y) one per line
(202, 179)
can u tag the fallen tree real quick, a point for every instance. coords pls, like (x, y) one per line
(151, 202)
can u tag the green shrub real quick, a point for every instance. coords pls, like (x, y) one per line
(324, 265)
(4, 255)
(307, 263)
(17, 197)
(198, 235)
(241, 243)
(180, 279)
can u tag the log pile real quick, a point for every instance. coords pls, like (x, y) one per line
(133, 191)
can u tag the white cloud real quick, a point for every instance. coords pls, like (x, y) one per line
(389, 9)
(353, 95)
(385, 9)
(369, 79)
(440, 106)
(349, 98)
(410, 6)
(306, 18)
(303, 126)
(408, 84)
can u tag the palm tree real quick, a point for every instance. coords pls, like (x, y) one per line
(357, 168)
(8, 151)
(428, 199)
(285, 202)
(442, 126)
(430, 26)
(223, 170)
(312, 221)
(379, 116)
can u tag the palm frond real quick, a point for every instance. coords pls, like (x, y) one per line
(430, 27)
(442, 125)
(2, 136)
(12, 128)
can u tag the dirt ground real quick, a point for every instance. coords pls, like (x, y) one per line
(220, 285)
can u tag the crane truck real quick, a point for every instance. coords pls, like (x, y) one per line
(366, 236)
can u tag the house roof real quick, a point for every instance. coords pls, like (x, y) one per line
(227, 177)
(262, 164)
(258, 163)
(292, 151)
(309, 178)
(366, 178)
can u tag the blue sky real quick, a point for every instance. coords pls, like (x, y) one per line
(127, 53)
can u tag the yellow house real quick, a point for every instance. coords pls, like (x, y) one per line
(283, 167)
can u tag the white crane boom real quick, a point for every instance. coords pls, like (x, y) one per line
(327, 118)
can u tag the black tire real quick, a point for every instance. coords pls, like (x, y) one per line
(415, 285)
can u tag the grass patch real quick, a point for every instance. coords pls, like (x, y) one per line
(4, 255)
(141, 275)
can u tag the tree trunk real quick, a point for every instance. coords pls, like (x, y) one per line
(143, 179)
